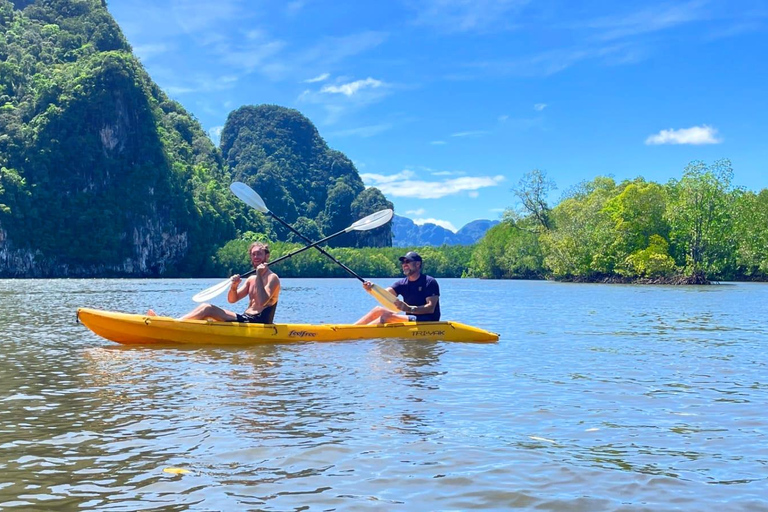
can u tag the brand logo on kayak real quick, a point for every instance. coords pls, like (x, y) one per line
(428, 333)
(302, 334)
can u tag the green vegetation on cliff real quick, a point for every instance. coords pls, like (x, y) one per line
(280, 154)
(102, 174)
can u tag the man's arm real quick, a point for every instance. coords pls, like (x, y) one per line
(235, 293)
(426, 309)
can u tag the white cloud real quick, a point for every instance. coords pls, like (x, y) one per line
(145, 52)
(362, 131)
(652, 19)
(442, 223)
(376, 179)
(342, 98)
(539, 106)
(465, 15)
(403, 184)
(318, 78)
(352, 88)
(503, 119)
(420, 211)
(202, 83)
(438, 142)
(695, 135)
(471, 133)
(215, 134)
(474, 194)
(332, 50)
(293, 8)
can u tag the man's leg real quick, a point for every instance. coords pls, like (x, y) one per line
(209, 311)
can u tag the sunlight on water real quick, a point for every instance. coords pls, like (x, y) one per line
(597, 397)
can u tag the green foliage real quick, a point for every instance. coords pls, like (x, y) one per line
(696, 229)
(653, 261)
(507, 251)
(368, 262)
(751, 231)
(280, 154)
(102, 173)
(701, 220)
(580, 246)
(532, 191)
(638, 213)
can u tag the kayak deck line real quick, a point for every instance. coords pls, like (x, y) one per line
(127, 328)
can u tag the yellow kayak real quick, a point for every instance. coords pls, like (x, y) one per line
(142, 329)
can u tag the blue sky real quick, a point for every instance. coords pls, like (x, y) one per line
(445, 104)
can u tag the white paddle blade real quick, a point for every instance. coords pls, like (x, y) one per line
(372, 221)
(212, 292)
(249, 196)
(384, 298)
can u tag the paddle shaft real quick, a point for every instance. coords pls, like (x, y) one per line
(281, 221)
(297, 251)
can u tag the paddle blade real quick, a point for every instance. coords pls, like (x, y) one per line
(213, 291)
(249, 196)
(384, 298)
(372, 221)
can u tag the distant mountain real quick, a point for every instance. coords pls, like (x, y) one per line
(407, 233)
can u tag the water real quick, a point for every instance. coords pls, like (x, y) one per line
(597, 397)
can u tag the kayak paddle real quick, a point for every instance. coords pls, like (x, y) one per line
(372, 221)
(253, 199)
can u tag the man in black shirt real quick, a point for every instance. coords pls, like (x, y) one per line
(420, 292)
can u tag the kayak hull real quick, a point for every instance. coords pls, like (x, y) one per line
(133, 329)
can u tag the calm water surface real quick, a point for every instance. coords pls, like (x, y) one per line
(597, 397)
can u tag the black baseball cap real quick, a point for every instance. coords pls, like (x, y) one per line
(410, 255)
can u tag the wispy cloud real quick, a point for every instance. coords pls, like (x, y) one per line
(471, 133)
(438, 142)
(539, 107)
(352, 88)
(202, 83)
(552, 61)
(503, 118)
(420, 211)
(467, 15)
(442, 223)
(195, 16)
(341, 98)
(695, 135)
(293, 8)
(146, 52)
(404, 184)
(332, 50)
(319, 78)
(651, 19)
(362, 131)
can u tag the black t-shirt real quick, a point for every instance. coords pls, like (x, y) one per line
(415, 293)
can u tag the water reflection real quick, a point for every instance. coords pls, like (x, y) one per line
(596, 398)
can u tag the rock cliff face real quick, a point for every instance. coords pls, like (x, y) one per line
(102, 175)
(101, 192)
(281, 155)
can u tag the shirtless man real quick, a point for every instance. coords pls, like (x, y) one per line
(262, 290)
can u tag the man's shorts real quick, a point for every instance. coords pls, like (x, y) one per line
(247, 318)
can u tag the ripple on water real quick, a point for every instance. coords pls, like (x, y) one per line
(596, 398)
